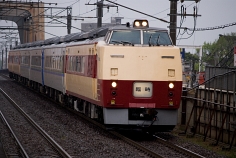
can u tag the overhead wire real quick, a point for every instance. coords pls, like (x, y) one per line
(66, 2)
(25, 10)
(34, 28)
(182, 12)
(212, 28)
(60, 21)
(195, 13)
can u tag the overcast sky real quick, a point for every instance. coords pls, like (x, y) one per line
(213, 13)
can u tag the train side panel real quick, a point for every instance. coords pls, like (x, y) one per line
(10, 61)
(80, 79)
(36, 65)
(16, 63)
(25, 63)
(53, 71)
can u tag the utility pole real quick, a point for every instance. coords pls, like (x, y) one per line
(173, 19)
(99, 13)
(100, 6)
(2, 58)
(69, 17)
(6, 58)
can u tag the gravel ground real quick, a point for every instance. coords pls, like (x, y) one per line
(185, 143)
(34, 144)
(78, 137)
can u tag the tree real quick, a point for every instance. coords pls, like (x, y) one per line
(193, 58)
(214, 53)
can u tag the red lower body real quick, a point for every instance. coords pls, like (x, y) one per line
(122, 96)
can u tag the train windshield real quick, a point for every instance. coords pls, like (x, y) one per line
(130, 37)
(156, 38)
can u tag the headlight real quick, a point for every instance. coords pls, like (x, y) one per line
(140, 23)
(171, 85)
(113, 84)
(137, 23)
(144, 23)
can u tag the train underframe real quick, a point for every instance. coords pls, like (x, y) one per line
(137, 118)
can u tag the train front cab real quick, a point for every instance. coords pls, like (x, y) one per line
(147, 81)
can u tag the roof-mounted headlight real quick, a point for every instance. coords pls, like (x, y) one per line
(137, 23)
(140, 23)
(144, 23)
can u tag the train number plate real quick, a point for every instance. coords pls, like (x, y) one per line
(142, 89)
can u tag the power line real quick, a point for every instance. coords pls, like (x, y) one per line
(88, 11)
(183, 16)
(138, 11)
(213, 28)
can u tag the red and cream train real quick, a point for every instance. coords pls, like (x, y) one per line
(125, 76)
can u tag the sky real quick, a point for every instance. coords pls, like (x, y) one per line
(214, 13)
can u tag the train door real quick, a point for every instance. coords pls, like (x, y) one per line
(42, 67)
(92, 66)
(63, 70)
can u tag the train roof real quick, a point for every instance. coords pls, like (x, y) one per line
(95, 33)
(124, 27)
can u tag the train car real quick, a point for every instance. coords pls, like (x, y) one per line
(10, 63)
(53, 69)
(36, 68)
(14, 64)
(128, 77)
(25, 66)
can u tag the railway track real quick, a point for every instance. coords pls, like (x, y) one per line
(177, 148)
(29, 134)
(150, 152)
(129, 141)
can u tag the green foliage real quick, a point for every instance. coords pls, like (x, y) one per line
(193, 59)
(214, 52)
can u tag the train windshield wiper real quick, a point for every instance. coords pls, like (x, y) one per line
(119, 42)
(158, 40)
(123, 42)
(126, 42)
(149, 41)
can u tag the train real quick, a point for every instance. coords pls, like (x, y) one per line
(128, 76)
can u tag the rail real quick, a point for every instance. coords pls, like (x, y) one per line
(54, 144)
(178, 148)
(21, 148)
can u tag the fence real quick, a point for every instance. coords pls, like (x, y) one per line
(210, 110)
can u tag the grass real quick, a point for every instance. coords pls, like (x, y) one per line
(198, 140)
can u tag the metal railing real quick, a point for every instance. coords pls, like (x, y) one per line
(209, 109)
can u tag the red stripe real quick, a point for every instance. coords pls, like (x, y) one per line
(125, 98)
(65, 63)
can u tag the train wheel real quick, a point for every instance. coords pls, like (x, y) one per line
(100, 114)
(80, 104)
(87, 108)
